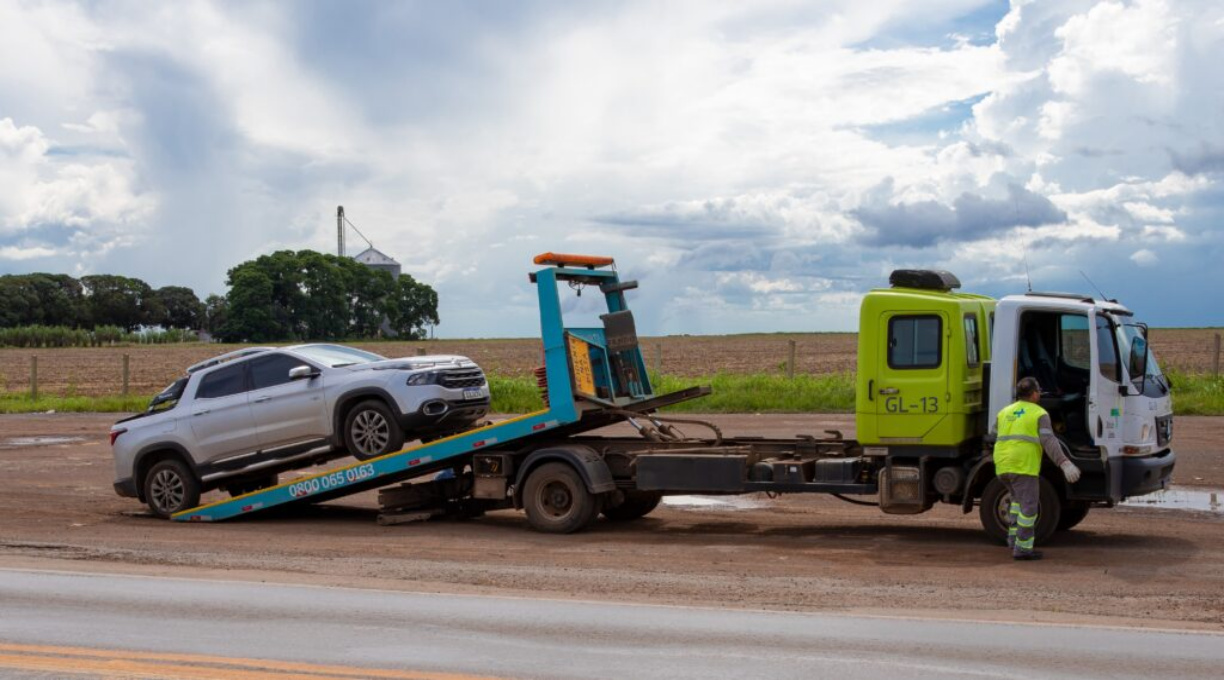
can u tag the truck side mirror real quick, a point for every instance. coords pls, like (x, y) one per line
(1137, 362)
(300, 372)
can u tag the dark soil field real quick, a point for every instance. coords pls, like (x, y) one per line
(99, 371)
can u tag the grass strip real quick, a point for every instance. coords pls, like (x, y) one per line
(1193, 394)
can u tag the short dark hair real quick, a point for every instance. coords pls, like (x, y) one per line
(1027, 387)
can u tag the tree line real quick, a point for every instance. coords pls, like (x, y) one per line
(303, 295)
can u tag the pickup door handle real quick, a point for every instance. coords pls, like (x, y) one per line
(202, 412)
(261, 400)
(889, 390)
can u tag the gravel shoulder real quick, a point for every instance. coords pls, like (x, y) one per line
(1130, 566)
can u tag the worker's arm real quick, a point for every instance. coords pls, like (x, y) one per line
(1053, 449)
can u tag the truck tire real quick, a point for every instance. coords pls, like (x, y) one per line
(557, 500)
(994, 508)
(637, 504)
(370, 430)
(171, 487)
(1072, 515)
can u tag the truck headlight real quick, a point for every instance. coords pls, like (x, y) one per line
(422, 378)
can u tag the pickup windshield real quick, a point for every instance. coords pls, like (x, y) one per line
(334, 356)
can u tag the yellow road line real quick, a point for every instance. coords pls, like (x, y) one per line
(159, 666)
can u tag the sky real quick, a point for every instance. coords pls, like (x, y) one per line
(756, 166)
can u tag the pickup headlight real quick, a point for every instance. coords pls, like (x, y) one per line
(422, 378)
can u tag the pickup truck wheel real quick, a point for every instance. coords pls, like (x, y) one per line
(171, 487)
(557, 500)
(994, 509)
(370, 431)
(637, 504)
(1072, 515)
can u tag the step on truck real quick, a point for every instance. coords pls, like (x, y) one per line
(934, 365)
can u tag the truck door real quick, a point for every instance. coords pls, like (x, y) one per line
(286, 412)
(911, 390)
(1104, 396)
(221, 419)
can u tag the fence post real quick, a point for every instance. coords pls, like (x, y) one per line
(790, 361)
(658, 360)
(126, 374)
(1215, 364)
(420, 351)
(33, 378)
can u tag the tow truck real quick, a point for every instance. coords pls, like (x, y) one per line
(933, 366)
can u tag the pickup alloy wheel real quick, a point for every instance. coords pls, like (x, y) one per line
(370, 431)
(171, 487)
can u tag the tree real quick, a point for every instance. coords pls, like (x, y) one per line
(411, 307)
(252, 315)
(180, 307)
(216, 311)
(46, 299)
(120, 301)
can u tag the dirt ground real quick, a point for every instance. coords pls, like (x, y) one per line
(1130, 566)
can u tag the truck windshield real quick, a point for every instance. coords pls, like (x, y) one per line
(333, 356)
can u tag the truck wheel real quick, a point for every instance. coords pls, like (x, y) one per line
(1072, 515)
(370, 431)
(557, 500)
(171, 487)
(996, 502)
(637, 504)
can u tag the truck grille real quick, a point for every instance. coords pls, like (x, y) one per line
(461, 377)
(1164, 430)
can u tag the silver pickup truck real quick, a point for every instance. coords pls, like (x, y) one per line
(235, 421)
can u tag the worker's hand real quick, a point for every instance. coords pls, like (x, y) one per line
(1071, 472)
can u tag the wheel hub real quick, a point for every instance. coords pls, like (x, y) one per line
(371, 432)
(168, 490)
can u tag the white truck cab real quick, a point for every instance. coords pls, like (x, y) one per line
(1106, 396)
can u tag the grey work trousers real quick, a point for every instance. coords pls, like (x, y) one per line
(1025, 493)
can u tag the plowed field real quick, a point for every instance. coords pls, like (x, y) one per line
(99, 371)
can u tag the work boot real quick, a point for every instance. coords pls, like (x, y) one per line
(1027, 556)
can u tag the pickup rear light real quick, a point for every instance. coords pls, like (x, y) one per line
(115, 434)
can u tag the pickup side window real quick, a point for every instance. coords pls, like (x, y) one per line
(223, 382)
(270, 371)
(915, 341)
(971, 341)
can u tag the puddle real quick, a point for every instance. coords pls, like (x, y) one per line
(711, 503)
(1204, 500)
(22, 442)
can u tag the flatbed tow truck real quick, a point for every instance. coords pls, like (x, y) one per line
(923, 422)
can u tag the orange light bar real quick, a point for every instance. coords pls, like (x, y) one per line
(563, 260)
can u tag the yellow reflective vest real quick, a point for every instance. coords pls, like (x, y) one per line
(1018, 447)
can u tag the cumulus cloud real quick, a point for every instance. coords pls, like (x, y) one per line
(759, 165)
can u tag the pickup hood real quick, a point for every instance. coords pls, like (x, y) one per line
(417, 363)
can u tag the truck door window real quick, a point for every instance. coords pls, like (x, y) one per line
(971, 341)
(223, 382)
(1073, 341)
(272, 370)
(914, 341)
(1107, 346)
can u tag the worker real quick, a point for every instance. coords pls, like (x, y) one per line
(1024, 431)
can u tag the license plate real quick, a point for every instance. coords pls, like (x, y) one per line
(472, 394)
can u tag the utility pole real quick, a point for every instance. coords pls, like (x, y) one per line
(340, 230)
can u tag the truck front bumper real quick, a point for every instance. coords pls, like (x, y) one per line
(1147, 474)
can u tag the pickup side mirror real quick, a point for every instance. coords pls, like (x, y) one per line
(300, 372)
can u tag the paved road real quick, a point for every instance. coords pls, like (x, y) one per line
(55, 623)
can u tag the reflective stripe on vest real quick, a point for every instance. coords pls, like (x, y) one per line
(1018, 445)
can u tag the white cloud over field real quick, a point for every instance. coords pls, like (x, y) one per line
(757, 166)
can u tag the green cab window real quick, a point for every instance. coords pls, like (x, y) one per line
(971, 341)
(914, 341)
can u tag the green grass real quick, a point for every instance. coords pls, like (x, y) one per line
(20, 402)
(762, 393)
(1197, 395)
